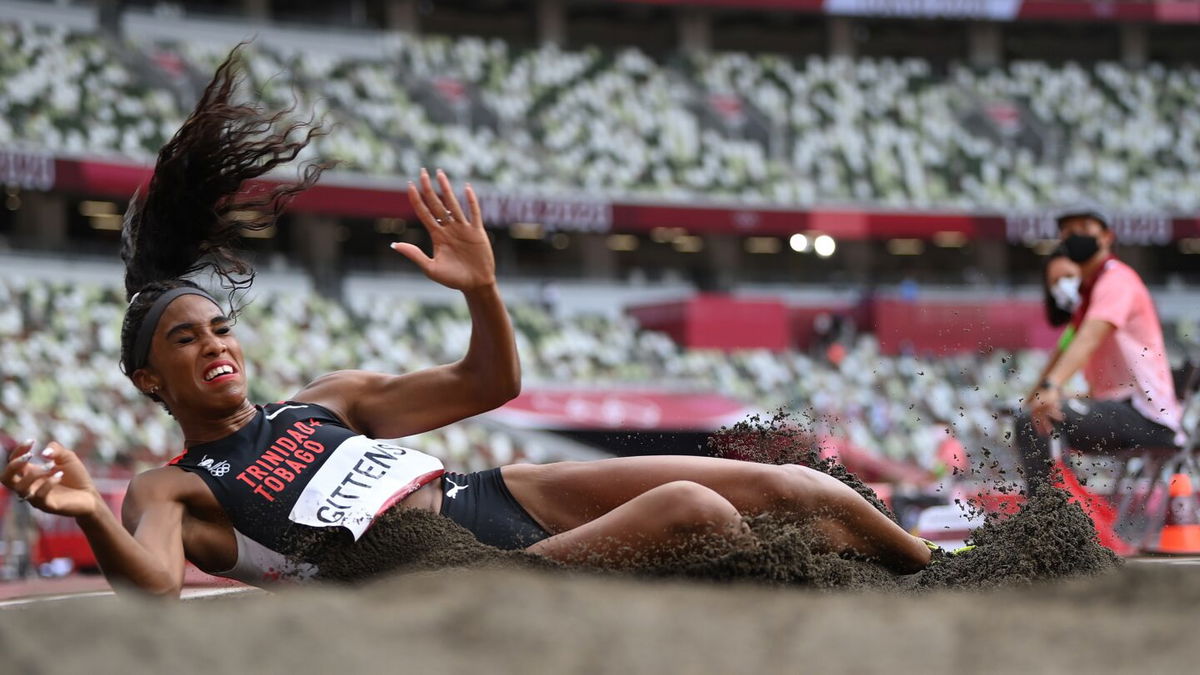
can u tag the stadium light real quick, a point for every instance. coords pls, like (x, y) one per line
(688, 244)
(666, 235)
(622, 242)
(1044, 246)
(390, 226)
(110, 222)
(824, 245)
(949, 239)
(798, 242)
(526, 231)
(762, 245)
(905, 246)
(91, 209)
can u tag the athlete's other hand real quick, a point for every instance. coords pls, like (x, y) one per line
(54, 480)
(462, 254)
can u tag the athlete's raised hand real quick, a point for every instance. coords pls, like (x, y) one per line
(462, 254)
(53, 480)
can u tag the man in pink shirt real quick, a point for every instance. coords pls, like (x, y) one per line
(1118, 343)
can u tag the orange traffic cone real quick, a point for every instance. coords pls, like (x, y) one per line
(1180, 534)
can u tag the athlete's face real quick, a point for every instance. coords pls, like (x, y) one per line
(195, 361)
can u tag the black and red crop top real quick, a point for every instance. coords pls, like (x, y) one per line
(297, 464)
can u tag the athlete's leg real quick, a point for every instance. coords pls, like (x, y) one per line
(655, 523)
(566, 495)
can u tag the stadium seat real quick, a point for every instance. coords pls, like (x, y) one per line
(764, 128)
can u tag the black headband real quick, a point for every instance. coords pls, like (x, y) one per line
(141, 346)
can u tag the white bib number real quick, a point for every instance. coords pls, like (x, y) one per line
(362, 478)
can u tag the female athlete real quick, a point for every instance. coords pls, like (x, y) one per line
(253, 478)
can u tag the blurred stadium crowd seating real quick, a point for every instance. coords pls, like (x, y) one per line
(59, 346)
(756, 128)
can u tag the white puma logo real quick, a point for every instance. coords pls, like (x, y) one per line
(455, 490)
(272, 416)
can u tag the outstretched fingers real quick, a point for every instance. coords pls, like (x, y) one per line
(434, 204)
(416, 198)
(473, 204)
(413, 253)
(450, 199)
(440, 211)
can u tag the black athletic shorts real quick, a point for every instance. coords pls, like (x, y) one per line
(482, 503)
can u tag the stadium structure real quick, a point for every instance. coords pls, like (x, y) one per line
(699, 209)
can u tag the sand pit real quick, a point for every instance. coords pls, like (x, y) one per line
(1140, 618)
(1038, 594)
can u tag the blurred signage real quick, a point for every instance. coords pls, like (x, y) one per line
(620, 409)
(995, 10)
(27, 170)
(1141, 11)
(346, 197)
(566, 214)
(1130, 228)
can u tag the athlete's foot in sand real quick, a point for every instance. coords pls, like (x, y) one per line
(937, 554)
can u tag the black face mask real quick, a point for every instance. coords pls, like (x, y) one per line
(1081, 247)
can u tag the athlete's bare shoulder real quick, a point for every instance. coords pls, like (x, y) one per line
(163, 480)
(162, 486)
(333, 391)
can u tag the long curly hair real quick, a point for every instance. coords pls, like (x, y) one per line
(195, 208)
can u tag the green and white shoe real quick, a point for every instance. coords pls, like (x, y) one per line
(938, 554)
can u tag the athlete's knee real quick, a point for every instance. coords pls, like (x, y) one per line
(687, 506)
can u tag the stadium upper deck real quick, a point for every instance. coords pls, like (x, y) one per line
(745, 130)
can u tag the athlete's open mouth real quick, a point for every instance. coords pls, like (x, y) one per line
(220, 371)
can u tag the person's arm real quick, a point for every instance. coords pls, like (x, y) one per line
(1037, 384)
(489, 375)
(151, 559)
(393, 406)
(1047, 400)
(1092, 332)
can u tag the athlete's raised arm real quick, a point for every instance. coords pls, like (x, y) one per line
(151, 559)
(391, 406)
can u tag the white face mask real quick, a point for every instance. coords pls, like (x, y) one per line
(1066, 293)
